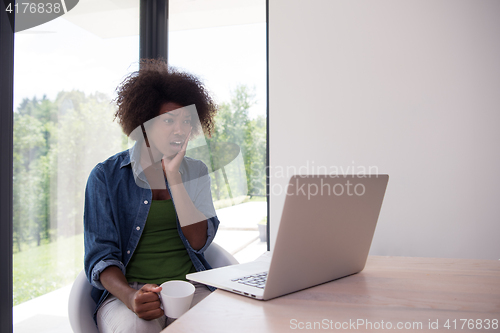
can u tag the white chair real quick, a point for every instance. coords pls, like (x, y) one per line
(81, 305)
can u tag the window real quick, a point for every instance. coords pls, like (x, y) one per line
(65, 74)
(224, 43)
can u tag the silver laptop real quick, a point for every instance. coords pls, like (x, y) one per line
(326, 230)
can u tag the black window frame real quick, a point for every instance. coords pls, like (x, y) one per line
(6, 161)
(153, 30)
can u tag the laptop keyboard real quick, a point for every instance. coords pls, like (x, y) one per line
(255, 280)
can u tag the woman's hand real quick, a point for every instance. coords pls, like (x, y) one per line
(145, 302)
(171, 164)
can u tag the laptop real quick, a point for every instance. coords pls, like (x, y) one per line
(325, 233)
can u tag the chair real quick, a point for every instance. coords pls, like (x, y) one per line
(81, 306)
(218, 257)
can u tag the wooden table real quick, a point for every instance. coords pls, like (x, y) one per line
(390, 294)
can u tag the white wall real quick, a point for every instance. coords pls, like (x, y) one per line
(411, 87)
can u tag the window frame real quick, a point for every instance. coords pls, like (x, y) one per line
(153, 29)
(6, 165)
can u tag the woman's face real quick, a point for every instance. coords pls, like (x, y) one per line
(167, 132)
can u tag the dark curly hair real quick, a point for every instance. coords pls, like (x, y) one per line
(142, 93)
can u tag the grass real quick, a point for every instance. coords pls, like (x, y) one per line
(47, 267)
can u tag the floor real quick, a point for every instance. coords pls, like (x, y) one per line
(237, 234)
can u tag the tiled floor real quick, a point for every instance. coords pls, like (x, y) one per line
(237, 234)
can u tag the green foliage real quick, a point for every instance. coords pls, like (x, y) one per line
(86, 136)
(33, 132)
(56, 144)
(234, 125)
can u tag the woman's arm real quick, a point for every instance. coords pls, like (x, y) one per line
(101, 236)
(143, 302)
(192, 221)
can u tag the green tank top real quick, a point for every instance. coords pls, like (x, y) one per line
(160, 255)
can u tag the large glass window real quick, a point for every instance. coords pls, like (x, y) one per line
(224, 43)
(66, 71)
(65, 74)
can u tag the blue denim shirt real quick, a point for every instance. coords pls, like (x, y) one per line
(117, 201)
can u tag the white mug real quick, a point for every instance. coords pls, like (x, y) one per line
(176, 297)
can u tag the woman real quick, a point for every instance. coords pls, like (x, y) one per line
(149, 214)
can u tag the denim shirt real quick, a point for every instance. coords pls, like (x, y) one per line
(117, 201)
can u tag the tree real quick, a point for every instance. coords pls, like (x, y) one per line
(234, 125)
(87, 135)
(33, 130)
(56, 144)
